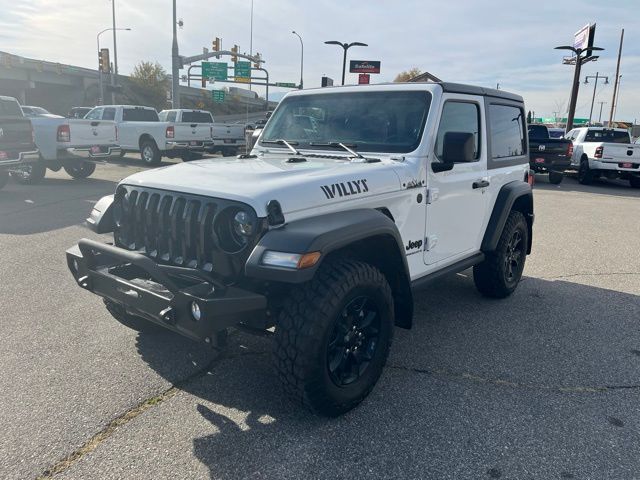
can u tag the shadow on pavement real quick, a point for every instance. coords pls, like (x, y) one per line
(477, 388)
(55, 203)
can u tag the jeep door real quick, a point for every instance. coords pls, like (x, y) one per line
(457, 202)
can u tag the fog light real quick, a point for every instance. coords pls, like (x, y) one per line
(195, 311)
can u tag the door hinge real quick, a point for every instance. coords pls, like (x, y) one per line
(430, 242)
(432, 195)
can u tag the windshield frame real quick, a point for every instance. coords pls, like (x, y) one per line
(310, 101)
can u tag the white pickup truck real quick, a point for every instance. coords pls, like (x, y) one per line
(227, 138)
(140, 130)
(608, 152)
(72, 144)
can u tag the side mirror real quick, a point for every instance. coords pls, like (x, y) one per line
(457, 147)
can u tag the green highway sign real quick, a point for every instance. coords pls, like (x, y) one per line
(242, 70)
(286, 85)
(214, 70)
(218, 95)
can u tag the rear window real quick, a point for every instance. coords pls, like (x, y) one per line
(10, 108)
(196, 117)
(139, 115)
(538, 131)
(607, 136)
(507, 131)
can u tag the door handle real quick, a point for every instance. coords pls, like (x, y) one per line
(480, 184)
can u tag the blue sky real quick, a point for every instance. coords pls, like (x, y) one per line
(479, 42)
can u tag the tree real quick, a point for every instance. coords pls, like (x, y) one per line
(407, 75)
(151, 83)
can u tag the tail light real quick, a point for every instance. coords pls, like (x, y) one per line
(570, 150)
(64, 133)
(599, 151)
(529, 177)
(33, 134)
(170, 133)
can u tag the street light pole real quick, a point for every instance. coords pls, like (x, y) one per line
(345, 46)
(593, 98)
(175, 68)
(301, 58)
(615, 110)
(600, 116)
(114, 74)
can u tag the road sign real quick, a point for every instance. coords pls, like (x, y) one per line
(364, 66)
(286, 85)
(242, 70)
(363, 79)
(218, 95)
(214, 70)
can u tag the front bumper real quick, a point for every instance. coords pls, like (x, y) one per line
(23, 157)
(162, 294)
(94, 152)
(193, 145)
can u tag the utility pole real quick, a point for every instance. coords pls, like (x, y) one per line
(617, 78)
(593, 98)
(615, 112)
(114, 74)
(175, 59)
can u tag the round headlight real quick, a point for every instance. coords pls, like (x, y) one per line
(242, 223)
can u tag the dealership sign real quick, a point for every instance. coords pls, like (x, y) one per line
(364, 66)
(581, 38)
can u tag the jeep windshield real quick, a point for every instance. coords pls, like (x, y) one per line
(368, 121)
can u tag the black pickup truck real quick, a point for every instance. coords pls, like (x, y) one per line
(548, 155)
(17, 145)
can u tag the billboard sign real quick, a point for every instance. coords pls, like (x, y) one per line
(364, 66)
(363, 79)
(581, 38)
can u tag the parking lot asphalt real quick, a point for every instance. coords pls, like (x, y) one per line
(544, 384)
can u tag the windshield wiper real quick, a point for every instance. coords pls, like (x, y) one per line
(348, 147)
(281, 141)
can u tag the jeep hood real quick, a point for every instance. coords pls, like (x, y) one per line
(255, 181)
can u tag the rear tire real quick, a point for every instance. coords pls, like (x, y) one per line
(555, 178)
(138, 324)
(150, 153)
(585, 174)
(333, 337)
(30, 174)
(499, 274)
(4, 178)
(634, 182)
(80, 170)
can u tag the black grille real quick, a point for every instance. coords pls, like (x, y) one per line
(177, 229)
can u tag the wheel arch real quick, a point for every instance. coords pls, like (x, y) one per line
(144, 137)
(360, 234)
(513, 196)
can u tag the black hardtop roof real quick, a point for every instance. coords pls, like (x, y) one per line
(473, 90)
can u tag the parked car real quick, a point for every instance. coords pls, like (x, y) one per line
(35, 112)
(72, 144)
(608, 152)
(17, 146)
(78, 112)
(225, 138)
(140, 130)
(556, 132)
(548, 155)
(319, 239)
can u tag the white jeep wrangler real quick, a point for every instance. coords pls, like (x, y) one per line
(352, 198)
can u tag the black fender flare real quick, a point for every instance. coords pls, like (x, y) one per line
(513, 195)
(331, 233)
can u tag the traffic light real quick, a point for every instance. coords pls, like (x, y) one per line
(103, 60)
(258, 57)
(234, 50)
(215, 46)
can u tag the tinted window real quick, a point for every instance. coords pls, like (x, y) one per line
(27, 110)
(538, 131)
(95, 114)
(459, 117)
(507, 131)
(196, 117)
(607, 136)
(109, 114)
(372, 121)
(139, 115)
(10, 108)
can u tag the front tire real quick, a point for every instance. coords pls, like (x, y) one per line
(499, 274)
(333, 337)
(80, 170)
(150, 153)
(585, 174)
(634, 182)
(138, 324)
(555, 178)
(30, 174)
